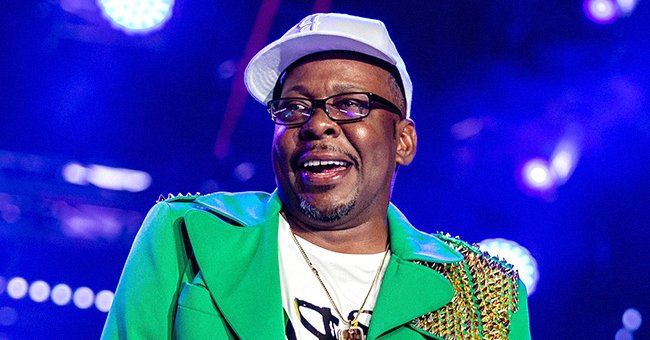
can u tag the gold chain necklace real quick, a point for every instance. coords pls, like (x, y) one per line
(351, 330)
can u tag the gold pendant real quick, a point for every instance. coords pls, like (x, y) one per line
(351, 333)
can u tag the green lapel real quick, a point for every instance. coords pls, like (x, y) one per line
(410, 290)
(240, 264)
(243, 273)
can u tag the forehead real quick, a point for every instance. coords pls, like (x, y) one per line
(337, 71)
(331, 76)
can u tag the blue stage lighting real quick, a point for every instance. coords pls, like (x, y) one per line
(39, 291)
(632, 319)
(106, 177)
(564, 160)
(83, 297)
(626, 7)
(601, 11)
(104, 300)
(17, 287)
(61, 294)
(244, 171)
(8, 317)
(518, 256)
(137, 16)
(537, 175)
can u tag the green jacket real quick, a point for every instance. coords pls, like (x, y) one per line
(194, 272)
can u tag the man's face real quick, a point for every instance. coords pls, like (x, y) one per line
(333, 174)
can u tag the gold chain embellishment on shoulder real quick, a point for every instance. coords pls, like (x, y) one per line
(485, 296)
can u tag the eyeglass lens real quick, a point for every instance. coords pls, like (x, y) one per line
(341, 107)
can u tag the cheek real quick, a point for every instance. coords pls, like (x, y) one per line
(282, 148)
(376, 146)
(377, 151)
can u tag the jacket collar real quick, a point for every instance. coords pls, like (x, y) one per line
(248, 257)
(414, 245)
(410, 290)
(245, 208)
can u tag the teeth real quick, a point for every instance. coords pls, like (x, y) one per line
(314, 163)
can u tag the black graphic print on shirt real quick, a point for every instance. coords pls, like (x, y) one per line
(312, 316)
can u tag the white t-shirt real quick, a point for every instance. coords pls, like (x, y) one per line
(347, 277)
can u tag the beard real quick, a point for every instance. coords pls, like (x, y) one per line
(327, 215)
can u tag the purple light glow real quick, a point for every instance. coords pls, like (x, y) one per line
(8, 316)
(632, 319)
(244, 171)
(601, 11)
(623, 334)
(467, 128)
(626, 6)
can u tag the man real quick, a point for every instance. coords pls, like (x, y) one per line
(326, 255)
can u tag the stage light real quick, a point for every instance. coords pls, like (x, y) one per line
(601, 11)
(226, 69)
(9, 212)
(626, 6)
(518, 256)
(83, 297)
(135, 181)
(137, 16)
(632, 319)
(74, 173)
(564, 160)
(8, 317)
(103, 300)
(106, 177)
(623, 334)
(244, 171)
(537, 175)
(118, 178)
(61, 294)
(39, 291)
(467, 128)
(17, 287)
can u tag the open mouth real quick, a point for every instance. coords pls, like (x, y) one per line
(324, 166)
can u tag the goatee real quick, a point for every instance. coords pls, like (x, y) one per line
(331, 215)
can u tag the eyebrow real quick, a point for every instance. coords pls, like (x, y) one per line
(337, 88)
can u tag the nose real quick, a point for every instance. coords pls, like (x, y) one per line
(319, 126)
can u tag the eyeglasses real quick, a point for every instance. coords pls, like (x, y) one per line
(342, 107)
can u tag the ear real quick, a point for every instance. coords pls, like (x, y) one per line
(407, 140)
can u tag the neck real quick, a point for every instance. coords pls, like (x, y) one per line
(369, 237)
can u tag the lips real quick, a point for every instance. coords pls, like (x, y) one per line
(323, 169)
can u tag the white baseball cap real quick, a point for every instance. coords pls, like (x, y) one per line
(318, 33)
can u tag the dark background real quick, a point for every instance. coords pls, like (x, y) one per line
(531, 72)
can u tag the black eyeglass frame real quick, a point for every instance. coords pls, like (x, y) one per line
(321, 103)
